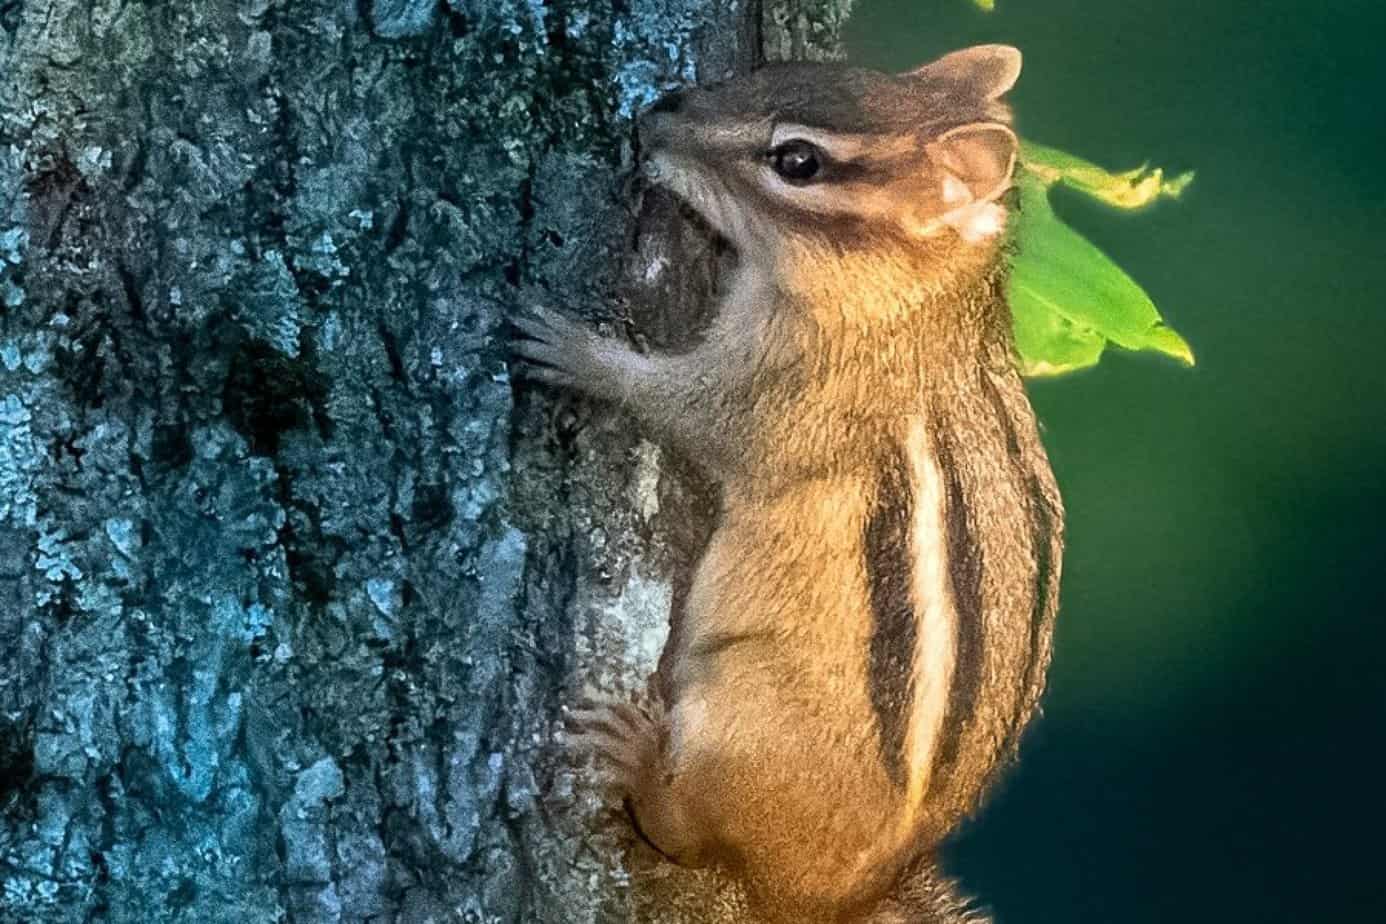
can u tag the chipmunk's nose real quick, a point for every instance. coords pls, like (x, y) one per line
(658, 122)
(669, 102)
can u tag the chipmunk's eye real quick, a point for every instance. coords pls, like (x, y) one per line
(796, 160)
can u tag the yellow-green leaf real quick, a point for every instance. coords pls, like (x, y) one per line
(1131, 189)
(987, 5)
(1048, 342)
(1068, 298)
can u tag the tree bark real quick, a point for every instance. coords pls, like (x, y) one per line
(293, 580)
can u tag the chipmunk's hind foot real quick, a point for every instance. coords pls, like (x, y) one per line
(629, 744)
(622, 738)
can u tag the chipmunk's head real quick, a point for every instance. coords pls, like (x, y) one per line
(828, 154)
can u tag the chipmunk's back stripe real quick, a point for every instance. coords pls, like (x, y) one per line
(886, 548)
(1045, 543)
(1046, 589)
(1045, 535)
(935, 650)
(965, 584)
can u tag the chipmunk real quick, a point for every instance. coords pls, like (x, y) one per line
(867, 632)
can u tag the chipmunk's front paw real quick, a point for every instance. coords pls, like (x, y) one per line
(556, 350)
(623, 738)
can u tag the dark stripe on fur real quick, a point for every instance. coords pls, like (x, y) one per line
(1048, 549)
(1038, 538)
(965, 578)
(1046, 587)
(889, 570)
(1044, 546)
(720, 642)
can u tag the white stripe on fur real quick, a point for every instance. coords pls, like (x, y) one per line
(936, 635)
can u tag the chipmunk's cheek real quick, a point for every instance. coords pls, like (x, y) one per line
(757, 243)
(685, 180)
(978, 222)
(741, 226)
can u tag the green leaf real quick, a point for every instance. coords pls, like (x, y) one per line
(1132, 189)
(1067, 297)
(987, 5)
(1048, 342)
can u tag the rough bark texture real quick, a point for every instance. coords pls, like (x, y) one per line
(292, 580)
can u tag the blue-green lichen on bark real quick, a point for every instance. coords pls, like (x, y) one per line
(259, 575)
(269, 250)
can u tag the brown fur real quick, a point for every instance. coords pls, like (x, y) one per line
(844, 322)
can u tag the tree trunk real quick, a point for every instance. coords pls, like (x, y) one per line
(293, 580)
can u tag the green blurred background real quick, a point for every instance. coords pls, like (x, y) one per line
(1211, 744)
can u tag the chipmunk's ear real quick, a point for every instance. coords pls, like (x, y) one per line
(979, 157)
(975, 164)
(990, 70)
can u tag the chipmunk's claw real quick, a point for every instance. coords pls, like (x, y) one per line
(544, 325)
(623, 738)
(549, 347)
